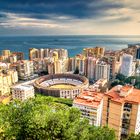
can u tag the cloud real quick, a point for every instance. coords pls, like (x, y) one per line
(18, 20)
(68, 16)
(75, 8)
(61, 9)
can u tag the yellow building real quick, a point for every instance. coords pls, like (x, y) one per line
(46, 52)
(78, 62)
(55, 55)
(11, 57)
(7, 79)
(33, 53)
(5, 99)
(94, 52)
(121, 110)
(6, 52)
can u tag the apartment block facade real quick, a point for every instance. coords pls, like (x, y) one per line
(121, 110)
(22, 92)
(90, 103)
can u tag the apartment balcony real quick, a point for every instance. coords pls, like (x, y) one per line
(127, 109)
(126, 121)
(124, 133)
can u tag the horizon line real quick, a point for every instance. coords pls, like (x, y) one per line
(68, 35)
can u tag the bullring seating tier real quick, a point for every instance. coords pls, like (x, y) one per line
(60, 81)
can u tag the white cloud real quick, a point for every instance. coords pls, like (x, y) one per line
(16, 20)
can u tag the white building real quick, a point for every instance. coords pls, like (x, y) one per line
(78, 62)
(25, 69)
(90, 104)
(91, 64)
(102, 71)
(22, 92)
(127, 65)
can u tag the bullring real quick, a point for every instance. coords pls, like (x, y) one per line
(61, 85)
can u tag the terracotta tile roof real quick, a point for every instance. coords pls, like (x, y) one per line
(132, 94)
(89, 98)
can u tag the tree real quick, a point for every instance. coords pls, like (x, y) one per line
(115, 83)
(101, 133)
(120, 77)
(134, 137)
(42, 118)
(43, 73)
(76, 70)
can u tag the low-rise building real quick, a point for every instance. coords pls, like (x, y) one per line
(5, 99)
(90, 103)
(22, 92)
(101, 85)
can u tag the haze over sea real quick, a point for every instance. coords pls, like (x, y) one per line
(74, 44)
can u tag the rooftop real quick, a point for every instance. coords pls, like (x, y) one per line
(122, 94)
(23, 87)
(89, 98)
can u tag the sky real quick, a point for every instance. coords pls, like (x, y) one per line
(69, 17)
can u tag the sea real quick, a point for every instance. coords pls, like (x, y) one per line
(74, 43)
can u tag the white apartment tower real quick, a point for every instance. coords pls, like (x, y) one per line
(127, 65)
(25, 69)
(91, 65)
(102, 71)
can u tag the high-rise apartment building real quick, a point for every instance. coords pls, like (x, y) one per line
(7, 79)
(138, 53)
(90, 104)
(40, 65)
(20, 55)
(90, 67)
(33, 53)
(11, 57)
(78, 62)
(61, 66)
(25, 69)
(121, 110)
(102, 71)
(51, 68)
(43, 53)
(127, 65)
(112, 61)
(6, 53)
(93, 52)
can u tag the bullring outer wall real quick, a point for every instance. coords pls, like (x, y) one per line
(58, 92)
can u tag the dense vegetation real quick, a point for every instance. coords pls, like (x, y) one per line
(122, 80)
(63, 101)
(43, 119)
(134, 137)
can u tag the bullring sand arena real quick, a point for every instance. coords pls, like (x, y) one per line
(61, 85)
